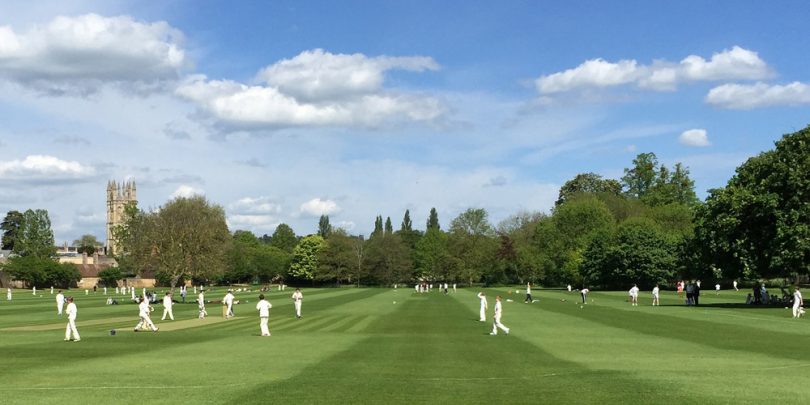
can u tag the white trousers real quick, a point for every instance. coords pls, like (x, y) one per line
(483, 314)
(146, 322)
(71, 327)
(167, 311)
(298, 308)
(263, 326)
(796, 308)
(497, 324)
(203, 312)
(230, 311)
(59, 307)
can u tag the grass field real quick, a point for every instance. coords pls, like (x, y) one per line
(358, 346)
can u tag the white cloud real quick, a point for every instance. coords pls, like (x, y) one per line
(732, 64)
(44, 168)
(316, 207)
(348, 226)
(186, 191)
(315, 88)
(257, 205)
(694, 137)
(748, 96)
(79, 54)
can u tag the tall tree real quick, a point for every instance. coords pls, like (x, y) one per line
(389, 228)
(472, 243)
(284, 238)
(304, 263)
(432, 255)
(324, 227)
(407, 224)
(388, 260)
(640, 178)
(11, 228)
(337, 260)
(588, 183)
(378, 227)
(35, 236)
(433, 220)
(86, 244)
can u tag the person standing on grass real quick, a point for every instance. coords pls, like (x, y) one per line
(528, 299)
(696, 294)
(735, 285)
(717, 289)
(634, 295)
(201, 304)
(454, 288)
(228, 302)
(798, 303)
(496, 323)
(34, 290)
(167, 306)
(183, 293)
(144, 312)
(297, 298)
(483, 310)
(690, 294)
(60, 302)
(8, 293)
(584, 293)
(71, 325)
(263, 306)
(655, 293)
(569, 287)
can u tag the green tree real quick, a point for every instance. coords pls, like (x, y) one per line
(588, 183)
(241, 258)
(11, 228)
(758, 225)
(432, 255)
(284, 238)
(388, 260)
(378, 227)
(407, 224)
(35, 236)
(472, 243)
(433, 220)
(641, 177)
(324, 227)
(271, 263)
(42, 271)
(304, 264)
(337, 260)
(389, 228)
(110, 276)
(86, 244)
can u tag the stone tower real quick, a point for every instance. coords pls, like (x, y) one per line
(118, 197)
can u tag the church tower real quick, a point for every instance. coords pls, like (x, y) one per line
(118, 197)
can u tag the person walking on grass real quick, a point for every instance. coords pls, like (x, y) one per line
(201, 304)
(655, 293)
(228, 302)
(263, 306)
(528, 299)
(634, 295)
(484, 307)
(735, 285)
(297, 298)
(496, 320)
(144, 312)
(167, 306)
(71, 325)
(60, 302)
(798, 303)
(584, 293)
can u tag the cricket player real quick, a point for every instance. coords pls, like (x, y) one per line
(71, 325)
(735, 285)
(228, 302)
(584, 293)
(528, 299)
(144, 311)
(634, 295)
(454, 288)
(297, 298)
(264, 312)
(34, 290)
(51, 290)
(798, 303)
(201, 304)
(484, 307)
(497, 318)
(167, 306)
(8, 293)
(655, 293)
(60, 302)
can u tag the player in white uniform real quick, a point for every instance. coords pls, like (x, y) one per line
(655, 293)
(634, 295)
(483, 310)
(201, 304)
(264, 314)
(60, 302)
(497, 318)
(144, 310)
(71, 325)
(798, 303)
(717, 289)
(167, 306)
(528, 299)
(8, 293)
(298, 298)
(735, 285)
(228, 302)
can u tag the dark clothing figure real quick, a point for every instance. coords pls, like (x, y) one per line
(697, 295)
(757, 295)
(690, 294)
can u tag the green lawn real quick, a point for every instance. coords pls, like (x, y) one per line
(359, 346)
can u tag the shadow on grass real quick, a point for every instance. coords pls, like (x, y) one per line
(727, 305)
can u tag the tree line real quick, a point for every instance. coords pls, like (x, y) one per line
(647, 227)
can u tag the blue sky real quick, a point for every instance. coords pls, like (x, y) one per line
(282, 111)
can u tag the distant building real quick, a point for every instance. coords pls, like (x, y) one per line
(118, 197)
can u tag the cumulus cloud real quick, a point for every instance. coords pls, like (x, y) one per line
(255, 205)
(186, 191)
(694, 137)
(317, 207)
(258, 214)
(45, 169)
(757, 95)
(79, 54)
(315, 88)
(732, 64)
